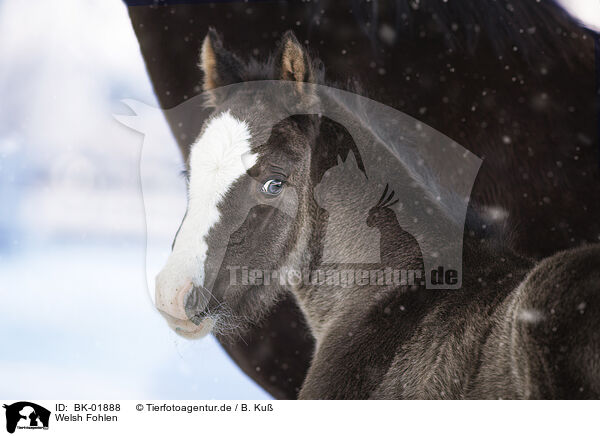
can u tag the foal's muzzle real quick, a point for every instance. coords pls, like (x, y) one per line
(185, 311)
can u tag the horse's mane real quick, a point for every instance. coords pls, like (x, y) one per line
(536, 28)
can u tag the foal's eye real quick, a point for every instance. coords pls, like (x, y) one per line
(272, 187)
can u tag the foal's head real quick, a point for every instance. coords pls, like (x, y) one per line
(249, 191)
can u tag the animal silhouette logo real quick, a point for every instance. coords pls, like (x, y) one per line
(26, 415)
(430, 174)
(348, 212)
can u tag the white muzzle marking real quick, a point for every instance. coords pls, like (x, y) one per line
(218, 158)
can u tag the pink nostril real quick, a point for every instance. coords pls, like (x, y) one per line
(191, 299)
(173, 303)
(196, 303)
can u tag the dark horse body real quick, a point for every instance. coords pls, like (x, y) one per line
(498, 310)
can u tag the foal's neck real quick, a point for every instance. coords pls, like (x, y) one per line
(487, 263)
(334, 283)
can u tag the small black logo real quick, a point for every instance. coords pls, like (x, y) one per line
(26, 415)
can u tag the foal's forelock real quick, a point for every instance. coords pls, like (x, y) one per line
(219, 157)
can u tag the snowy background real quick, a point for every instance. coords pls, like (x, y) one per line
(75, 318)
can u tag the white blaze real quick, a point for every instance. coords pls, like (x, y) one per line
(218, 158)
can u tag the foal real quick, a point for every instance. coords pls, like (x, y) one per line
(514, 329)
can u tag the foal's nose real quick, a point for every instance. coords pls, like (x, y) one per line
(171, 299)
(182, 301)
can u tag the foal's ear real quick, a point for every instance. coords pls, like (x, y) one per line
(292, 61)
(220, 67)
